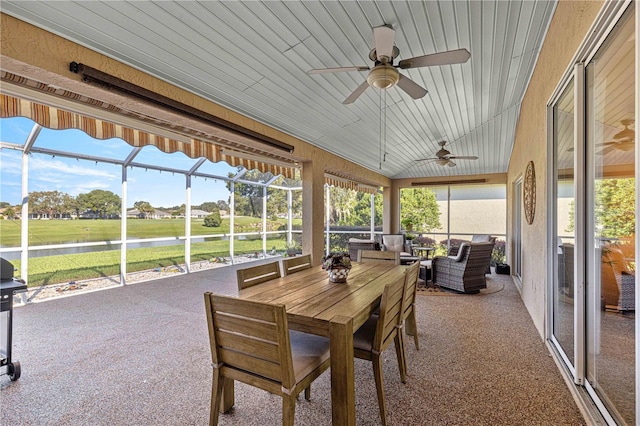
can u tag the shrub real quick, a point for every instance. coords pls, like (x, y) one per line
(213, 220)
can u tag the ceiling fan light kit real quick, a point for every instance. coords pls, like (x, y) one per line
(383, 76)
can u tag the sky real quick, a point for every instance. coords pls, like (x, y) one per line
(77, 176)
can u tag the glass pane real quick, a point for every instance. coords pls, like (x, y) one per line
(611, 155)
(480, 210)
(439, 236)
(563, 288)
(10, 200)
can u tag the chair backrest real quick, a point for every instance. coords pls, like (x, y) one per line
(294, 264)
(252, 339)
(251, 276)
(393, 242)
(410, 289)
(390, 315)
(356, 244)
(376, 255)
(479, 256)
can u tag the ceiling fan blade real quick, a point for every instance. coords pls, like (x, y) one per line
(383, 38)
(463, 157)
(411, 87)
(340, 69)
(426, 159)
(443, 58)
(356, 93)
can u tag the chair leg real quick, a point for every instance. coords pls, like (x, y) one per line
(414, 325)
(307, 393)
(216, 397)
(288, 410)
(377, 374)
(401, 355)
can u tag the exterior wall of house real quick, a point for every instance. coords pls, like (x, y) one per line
(569, 26)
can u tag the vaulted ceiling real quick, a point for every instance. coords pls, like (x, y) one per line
(254, 56)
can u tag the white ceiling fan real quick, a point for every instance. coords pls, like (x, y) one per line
(385, 74)
(444, 158)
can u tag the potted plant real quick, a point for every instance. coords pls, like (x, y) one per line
(292, 248)
(337, 265)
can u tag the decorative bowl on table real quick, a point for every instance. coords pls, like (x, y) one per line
(337, 266)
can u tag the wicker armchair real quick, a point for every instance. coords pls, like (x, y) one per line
(466, 271)
(481, 238)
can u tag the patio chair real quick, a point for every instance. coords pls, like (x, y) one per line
(254, 275)
(375, 255)
(251, 343)
(375, 336)
(618, 282)
(396, 242)
(295, 264)
(465, 272)
(479, 238)
(355, 244)
(408, 315)
(409, 307)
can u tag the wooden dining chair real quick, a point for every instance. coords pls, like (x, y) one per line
(291, 265)
(375, 336)
(251, 342)
(408, 317)
(409, 307)
(254, 275)
(377, 255)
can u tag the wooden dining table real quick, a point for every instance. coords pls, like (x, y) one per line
(334, 310)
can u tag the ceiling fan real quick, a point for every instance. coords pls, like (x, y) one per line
(624, 140)
(444, 158)
(385, 74)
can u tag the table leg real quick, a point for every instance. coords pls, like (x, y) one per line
(343, 398)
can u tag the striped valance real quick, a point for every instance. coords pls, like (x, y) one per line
(59, 119)
(340, 182)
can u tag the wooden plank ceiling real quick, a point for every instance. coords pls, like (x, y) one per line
(254, 57)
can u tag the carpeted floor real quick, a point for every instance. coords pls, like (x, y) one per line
(139, 355)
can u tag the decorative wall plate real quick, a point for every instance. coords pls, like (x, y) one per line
(530, 193)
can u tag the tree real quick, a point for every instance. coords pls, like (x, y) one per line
(145, 208)
(9, 213)
(223, 205)
(48, 203)
(615, 207)
(4, 204)
(342, 205)
(210, 206)
(419, 208)
(249, 197)
(100, 202)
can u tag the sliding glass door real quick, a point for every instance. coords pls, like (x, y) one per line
(610, 233)
(592, 235)
(563, 251)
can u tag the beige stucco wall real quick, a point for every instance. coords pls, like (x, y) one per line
(570, 24)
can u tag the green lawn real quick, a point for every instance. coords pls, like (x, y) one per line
(42, 232)
(72, 267)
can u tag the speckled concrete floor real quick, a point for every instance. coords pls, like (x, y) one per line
(139, 355)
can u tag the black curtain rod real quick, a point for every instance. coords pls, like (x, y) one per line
(92, 75)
